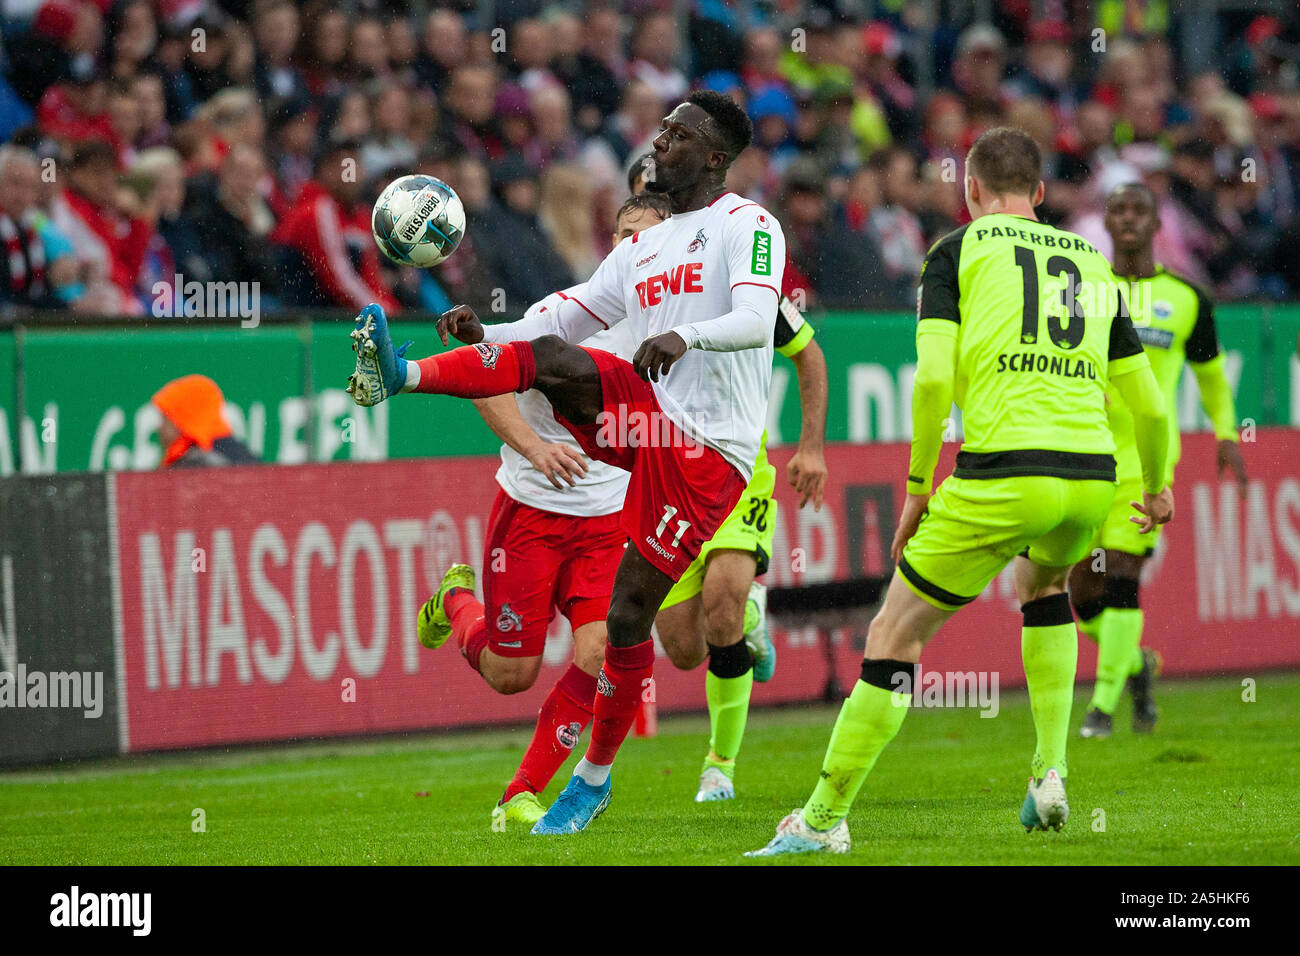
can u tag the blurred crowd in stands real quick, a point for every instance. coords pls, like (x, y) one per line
(245, 141)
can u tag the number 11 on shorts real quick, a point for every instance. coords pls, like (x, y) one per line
(669, 511)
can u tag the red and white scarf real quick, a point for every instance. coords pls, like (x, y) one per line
(26, 254)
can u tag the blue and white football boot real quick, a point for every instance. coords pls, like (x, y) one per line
(577, 805)
(794, 835)
(381, 370)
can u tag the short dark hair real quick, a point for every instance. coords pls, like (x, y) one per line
(636, 170)
(736, 129)
(1137, 186)
(332, 148)
(93, 152)
(1007, 161)
(654, 202)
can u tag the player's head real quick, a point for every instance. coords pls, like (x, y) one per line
(639, 212)
(1004, 167)
(698, 141)
(637, 172)
(1132, 218)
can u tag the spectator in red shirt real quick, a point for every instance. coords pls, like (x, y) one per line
(107, 239)
(332, 257)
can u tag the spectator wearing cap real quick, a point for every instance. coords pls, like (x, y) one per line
(194, 431)
(980, 66)
(775, 119)
(62, 44)
(75, 111)
(1257, 63)
(106, 237)
(328, 254)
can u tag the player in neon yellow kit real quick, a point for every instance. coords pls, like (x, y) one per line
(1003, 330)
(1175, 322)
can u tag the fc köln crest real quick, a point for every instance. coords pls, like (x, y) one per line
(509, 619)
(488, 353)
(698, 242)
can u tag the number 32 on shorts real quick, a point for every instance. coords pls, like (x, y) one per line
(757, 516)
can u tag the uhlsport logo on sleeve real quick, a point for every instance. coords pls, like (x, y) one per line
(762, 261)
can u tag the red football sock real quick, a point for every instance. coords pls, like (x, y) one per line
(466, 614)
(479, 371)
(566, 710)
(625, 675)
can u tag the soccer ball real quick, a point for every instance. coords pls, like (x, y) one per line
(418, 221)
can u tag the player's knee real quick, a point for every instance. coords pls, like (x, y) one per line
(511, 675)
(628, 622)
(887, 638)
(686, 655)
(513, 682)
(724, 617)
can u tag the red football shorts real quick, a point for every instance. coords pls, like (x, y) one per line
(536, 562)
(680, 492)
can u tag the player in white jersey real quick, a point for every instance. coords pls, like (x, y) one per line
(685, 417)
(553, 543)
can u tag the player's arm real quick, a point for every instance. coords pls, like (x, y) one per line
(581, 312)
(939, 322)
(1208, 364)
(793, 338)
(555, 460)
(1130, 371)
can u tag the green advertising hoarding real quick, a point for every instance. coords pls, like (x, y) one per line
(85, 393)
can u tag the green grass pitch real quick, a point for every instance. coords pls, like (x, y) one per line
(1216, 784)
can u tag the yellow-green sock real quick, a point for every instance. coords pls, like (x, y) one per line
(1117, 647)
(727, 687)
(1049, 647)
(868, 721)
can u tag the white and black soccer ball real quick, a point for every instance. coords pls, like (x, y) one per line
(418, 221)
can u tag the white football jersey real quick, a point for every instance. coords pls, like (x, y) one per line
(602, 491)
(683, 271)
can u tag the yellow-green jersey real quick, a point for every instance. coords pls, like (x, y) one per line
(1174, 321)
(1040, 328)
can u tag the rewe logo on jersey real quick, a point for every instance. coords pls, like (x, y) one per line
(683, 279)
